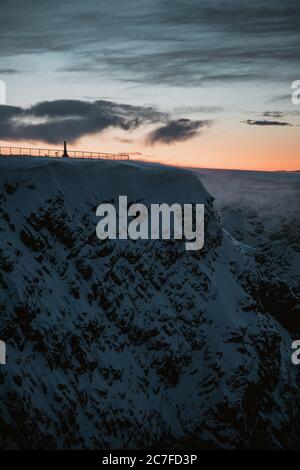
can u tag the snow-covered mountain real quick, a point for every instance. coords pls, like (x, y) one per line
(135, 344)
(261, 209)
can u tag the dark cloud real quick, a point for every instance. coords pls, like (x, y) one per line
(54, 121)
(9, 112)
(162, 41)
(260, 122)
(177, 131)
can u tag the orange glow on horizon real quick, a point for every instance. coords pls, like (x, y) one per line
(244, 148)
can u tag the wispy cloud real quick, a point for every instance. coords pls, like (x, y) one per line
(262, 122)
(281, 114)
(198, 109)
(273, 114)
(282, 99)
(170, 41)
(9, 71)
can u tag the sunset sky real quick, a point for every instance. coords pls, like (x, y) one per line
(194, 83)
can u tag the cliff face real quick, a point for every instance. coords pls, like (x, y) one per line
(124, 344)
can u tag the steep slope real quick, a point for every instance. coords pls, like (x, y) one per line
(123, 344)
(261, 209)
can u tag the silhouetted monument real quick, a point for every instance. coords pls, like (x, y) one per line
(65, 154)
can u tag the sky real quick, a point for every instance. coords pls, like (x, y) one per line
(204, 83)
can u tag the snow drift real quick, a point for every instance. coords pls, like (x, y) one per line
(127, 344)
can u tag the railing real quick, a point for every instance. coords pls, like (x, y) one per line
(35, 152)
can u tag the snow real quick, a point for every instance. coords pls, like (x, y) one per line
(261, 209)
(126, 344)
